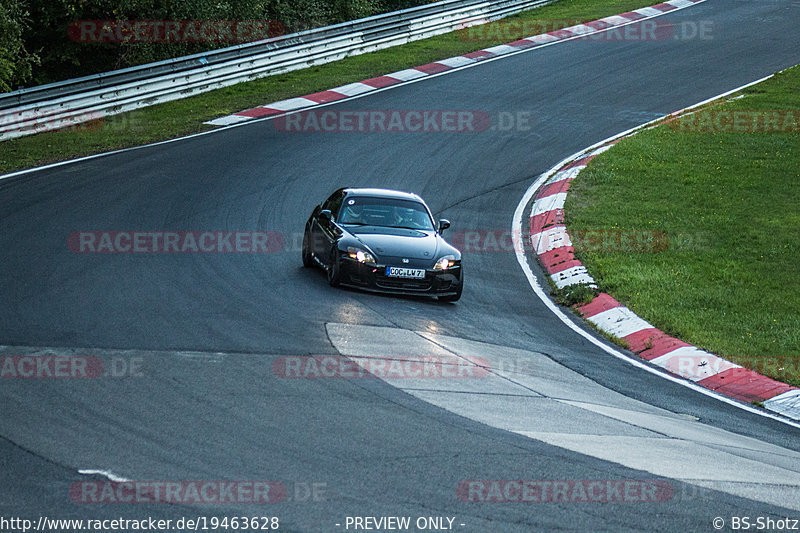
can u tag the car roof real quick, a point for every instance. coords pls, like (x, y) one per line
(382, 193)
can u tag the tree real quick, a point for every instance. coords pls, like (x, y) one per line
(52, 30)
(16, 62)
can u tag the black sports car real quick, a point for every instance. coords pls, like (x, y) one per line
(382, 240)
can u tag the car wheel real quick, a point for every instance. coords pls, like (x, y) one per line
(334, 273)
(308, 261)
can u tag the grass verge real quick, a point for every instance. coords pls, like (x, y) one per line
(183, 117)
(727, 197)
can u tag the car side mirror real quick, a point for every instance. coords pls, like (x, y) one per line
(443, 224)
(326, 214)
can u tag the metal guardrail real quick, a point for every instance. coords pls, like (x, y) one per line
(71, 102)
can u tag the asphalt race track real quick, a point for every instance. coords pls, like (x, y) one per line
(203, 330)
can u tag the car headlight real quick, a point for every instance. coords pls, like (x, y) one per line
(445, 262)
(360, 255)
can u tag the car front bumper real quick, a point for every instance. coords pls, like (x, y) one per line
(374, 278)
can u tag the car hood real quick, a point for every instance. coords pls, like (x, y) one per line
(398, 242)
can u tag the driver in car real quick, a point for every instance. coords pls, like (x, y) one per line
(353, 214)
(408, 218)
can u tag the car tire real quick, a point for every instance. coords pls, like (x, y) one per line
(334, 273)
(308, 261)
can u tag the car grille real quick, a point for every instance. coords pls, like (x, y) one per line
(403, 284)
(412, 262)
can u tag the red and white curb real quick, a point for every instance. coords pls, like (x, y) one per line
(551, 243)
(352, 90)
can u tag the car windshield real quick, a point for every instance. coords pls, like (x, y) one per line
(385, 212)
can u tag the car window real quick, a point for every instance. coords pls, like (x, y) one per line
(385, 212)
(334, 203)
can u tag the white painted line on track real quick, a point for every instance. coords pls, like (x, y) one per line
(291, 104)
(693, 363)
(615, 20)
(567, 174)
(577, 275)
(228, 120)
(581, 29)
(787, 403)
(408, 74)
(548, 203)
(353, 89)
(619, 321)
(111, 476)
(549, 239)
(455, 62)
(648, 11)
(502, 49)
(541, 39)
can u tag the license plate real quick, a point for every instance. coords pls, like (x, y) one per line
(399, 272)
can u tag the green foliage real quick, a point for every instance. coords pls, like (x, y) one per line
(343, 10)
(62, 57)
(16, 62)
(573, 295)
